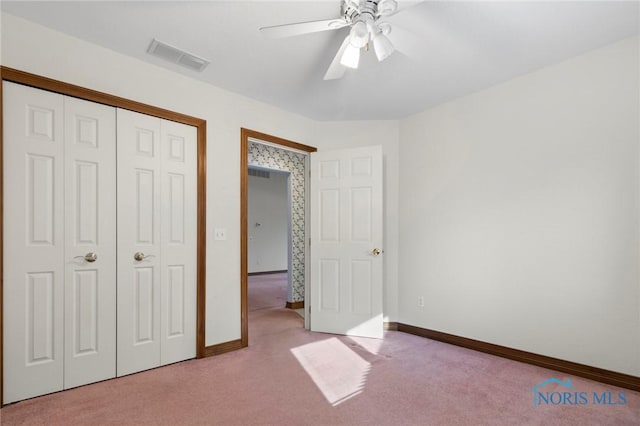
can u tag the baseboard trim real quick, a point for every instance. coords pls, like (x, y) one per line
(222, 348)
(295, 305)
(594, 373)
(251, 274)
(390, 326)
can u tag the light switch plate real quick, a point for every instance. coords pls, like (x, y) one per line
(220, 234)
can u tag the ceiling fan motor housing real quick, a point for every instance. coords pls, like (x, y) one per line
(367, 10)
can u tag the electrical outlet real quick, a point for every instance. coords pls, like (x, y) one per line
(421, 302)
(220, 234)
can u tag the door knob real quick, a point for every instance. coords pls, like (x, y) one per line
(141, 256)
(376, 251)
(89, 257)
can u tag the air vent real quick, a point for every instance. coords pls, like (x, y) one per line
(177, 56)
(260, 173)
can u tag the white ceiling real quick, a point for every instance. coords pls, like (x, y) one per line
(457, 47)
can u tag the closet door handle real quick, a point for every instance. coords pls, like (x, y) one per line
(89, 257)
(139, 256)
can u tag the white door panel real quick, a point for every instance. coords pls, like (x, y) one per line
(178, 241)
(346, 227)
(139, 196)
(90, 219)
(157, 196)
(33, 242)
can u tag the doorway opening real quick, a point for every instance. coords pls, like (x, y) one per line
(273, 154)
(270, 238)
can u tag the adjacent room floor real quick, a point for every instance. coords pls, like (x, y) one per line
(289, 376)
(267, 291)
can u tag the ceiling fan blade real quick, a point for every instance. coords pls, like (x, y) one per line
(336, 69)
(289, 30)
(407, 43)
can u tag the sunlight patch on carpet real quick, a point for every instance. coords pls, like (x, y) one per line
(336, 369)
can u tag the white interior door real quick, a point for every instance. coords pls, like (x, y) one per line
(138, 242)
(346, 242)
(178, 241)
(157, 211)
(34, 243)
(90, 249)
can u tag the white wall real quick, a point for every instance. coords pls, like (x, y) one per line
(39, 50)
(519, 215)
(268, 206)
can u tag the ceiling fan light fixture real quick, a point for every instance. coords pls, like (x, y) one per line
(359, 35)
(384, 28)
(382, 46)
(351, 56)
(386, 7)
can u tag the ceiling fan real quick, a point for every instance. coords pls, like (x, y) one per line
(363, 16)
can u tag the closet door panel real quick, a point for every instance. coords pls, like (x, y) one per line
(90, 219)
(178, 241)
(139, 242)
(33, 242)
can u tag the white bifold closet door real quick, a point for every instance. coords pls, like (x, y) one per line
(157, 188)
(99, 242)
(59, 192)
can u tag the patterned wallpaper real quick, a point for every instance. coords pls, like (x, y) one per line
(292, 162)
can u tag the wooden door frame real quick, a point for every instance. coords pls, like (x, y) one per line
(245, 135)
(39, 82)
